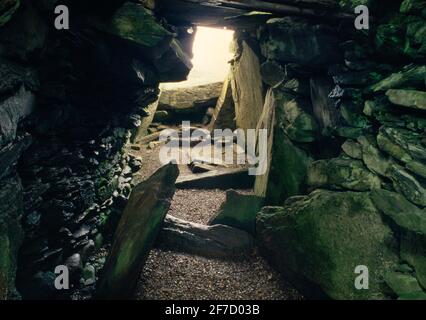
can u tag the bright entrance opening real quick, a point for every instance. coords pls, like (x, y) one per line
(212, 52)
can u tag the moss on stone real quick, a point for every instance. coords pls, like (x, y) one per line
(319, 240)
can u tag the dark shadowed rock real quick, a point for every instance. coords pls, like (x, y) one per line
(224, 114)
(224, 178)
(11, 234)
(136, 232)
(297, 41)
(210, 241)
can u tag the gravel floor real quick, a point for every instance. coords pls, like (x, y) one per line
(179, 276)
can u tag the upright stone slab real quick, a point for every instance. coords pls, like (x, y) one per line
(247, 88)
(136, 232)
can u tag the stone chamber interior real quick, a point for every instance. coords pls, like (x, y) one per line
(80, 117)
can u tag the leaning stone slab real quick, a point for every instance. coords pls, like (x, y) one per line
(217, 241)
(225, 178)
(136, 232)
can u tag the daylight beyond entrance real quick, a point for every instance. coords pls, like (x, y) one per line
(212, 53)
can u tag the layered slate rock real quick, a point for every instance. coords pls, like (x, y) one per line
(239, 211)
(340, 174)
(136, 232)
(216, 241)
(408, 98)
(319, 247)
(405, 214)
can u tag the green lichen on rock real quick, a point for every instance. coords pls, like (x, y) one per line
(408, 98)
(135, 23)
(407, 184)
(299, 125)
(340, 174)
(352, 149)
(414, 7)
(400, 210)
(404, 286)
(409, 76)
(413, 248)
(320, 239)
(289, 167)
(7, 9)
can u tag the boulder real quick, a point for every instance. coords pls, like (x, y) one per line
(136, 233)
(408, 98)
(405, 214)
(239, 211)
(340, 174)
(319, 240)
(217, 241)
(295, 40)
(190, 101)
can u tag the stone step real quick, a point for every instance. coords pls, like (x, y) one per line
(216, 241)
